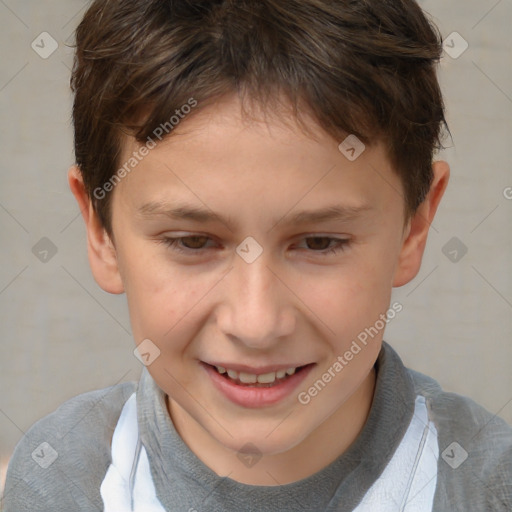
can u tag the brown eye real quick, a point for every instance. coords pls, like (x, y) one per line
(191, 244)
(323, 245)
(197, 242)
(320, 243)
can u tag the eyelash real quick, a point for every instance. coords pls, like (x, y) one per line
(172, 243)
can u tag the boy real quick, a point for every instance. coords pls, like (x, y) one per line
(257, 177)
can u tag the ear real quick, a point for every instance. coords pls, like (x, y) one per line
(101, 250)
(417, 230)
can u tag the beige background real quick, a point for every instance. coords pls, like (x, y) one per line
(62, 335)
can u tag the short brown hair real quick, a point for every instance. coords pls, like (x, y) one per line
(362, 67)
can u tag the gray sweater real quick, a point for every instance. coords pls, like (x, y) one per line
(66, 474)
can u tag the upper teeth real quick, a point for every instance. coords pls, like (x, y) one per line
(251, 378)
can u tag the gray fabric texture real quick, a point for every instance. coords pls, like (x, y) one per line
(80, 432)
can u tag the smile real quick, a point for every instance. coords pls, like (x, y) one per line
(261, 380)
(259, 387)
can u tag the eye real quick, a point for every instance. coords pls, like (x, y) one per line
(195, 244)
(322, 244)
(192, 243)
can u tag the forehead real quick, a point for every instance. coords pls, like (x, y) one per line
(229, 113)
(221, 150)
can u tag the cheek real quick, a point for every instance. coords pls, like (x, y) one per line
(166, 302)
(159, 310)
(160, 306)
(351, 297)
(157, 294)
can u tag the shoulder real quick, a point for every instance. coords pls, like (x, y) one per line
(62, 459)
(475, 449)
(459, 414)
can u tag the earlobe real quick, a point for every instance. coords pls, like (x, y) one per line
(415, 237)
(100, 249)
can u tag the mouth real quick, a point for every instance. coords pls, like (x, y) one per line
(261, 388)
(261, 380)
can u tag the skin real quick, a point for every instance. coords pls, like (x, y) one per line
(296, 303)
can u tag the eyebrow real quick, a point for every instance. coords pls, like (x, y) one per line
(338, 213)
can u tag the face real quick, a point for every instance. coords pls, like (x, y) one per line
(254, 258)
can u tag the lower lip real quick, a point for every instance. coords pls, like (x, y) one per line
(253, 397)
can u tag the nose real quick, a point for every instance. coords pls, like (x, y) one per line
(256, 307)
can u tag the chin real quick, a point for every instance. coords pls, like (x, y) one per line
(266, 443)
